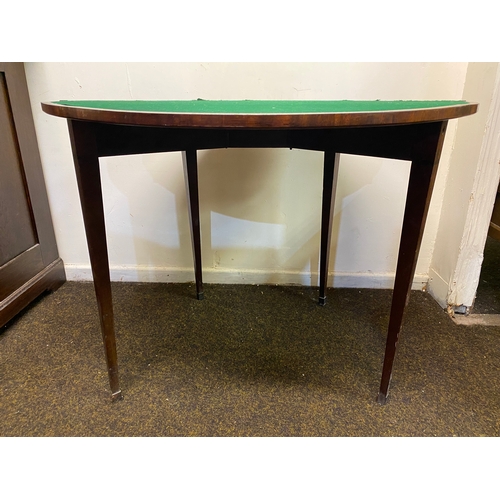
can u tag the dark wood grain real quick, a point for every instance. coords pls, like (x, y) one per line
(415, 135)
(28, 250)
(19, 270)
(191, 180)
(30, 156)
(17, 227)
(88, 176)
(260, 121)
(423, 171)
(330, 177)
(50, 278)
(379, 141)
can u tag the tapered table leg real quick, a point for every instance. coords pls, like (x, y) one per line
(422, 176)
(330, 176)
(86, 160)
(191, 178)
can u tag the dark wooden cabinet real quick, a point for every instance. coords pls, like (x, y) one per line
(29, 261)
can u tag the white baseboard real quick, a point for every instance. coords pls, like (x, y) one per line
(145, 274)
(438, 288)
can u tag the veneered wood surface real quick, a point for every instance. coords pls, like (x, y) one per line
(29, 261)
(16, 224)
(261, 120)
(416, 135)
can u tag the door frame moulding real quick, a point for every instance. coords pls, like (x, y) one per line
(465, 280)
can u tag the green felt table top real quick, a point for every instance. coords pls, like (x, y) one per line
(259, 107)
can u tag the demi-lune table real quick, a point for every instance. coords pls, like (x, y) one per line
(404, 130)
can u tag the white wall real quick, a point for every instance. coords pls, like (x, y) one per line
(260, 209)
(470, 193)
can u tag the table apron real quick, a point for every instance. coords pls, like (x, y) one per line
(403, 142)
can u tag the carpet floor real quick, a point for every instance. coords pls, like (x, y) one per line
(245, 361)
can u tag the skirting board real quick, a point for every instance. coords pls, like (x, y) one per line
(438, 288)
(145, 274)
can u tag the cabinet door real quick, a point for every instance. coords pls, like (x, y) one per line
(29, 261)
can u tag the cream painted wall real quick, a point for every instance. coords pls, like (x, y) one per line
(470, 193)
(260, 209)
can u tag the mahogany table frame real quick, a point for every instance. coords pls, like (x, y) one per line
(414, 135)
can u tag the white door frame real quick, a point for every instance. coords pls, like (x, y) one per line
(463, 285)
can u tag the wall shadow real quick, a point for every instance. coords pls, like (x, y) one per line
(248, 185)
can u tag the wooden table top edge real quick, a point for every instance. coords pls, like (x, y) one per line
(325, 119)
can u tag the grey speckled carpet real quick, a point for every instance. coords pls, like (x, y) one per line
(246, 361)
(488, 292)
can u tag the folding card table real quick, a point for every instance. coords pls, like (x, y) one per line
(404, 130)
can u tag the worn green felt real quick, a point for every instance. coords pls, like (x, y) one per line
(259, 107)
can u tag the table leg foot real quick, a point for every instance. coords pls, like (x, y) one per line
(382, 398)
(322, 301)
(117, 396)
(199, 295)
